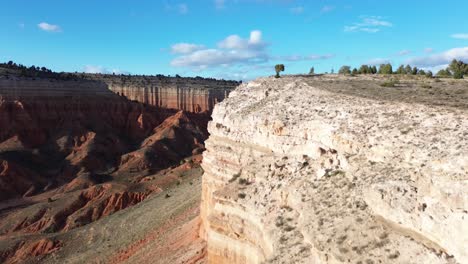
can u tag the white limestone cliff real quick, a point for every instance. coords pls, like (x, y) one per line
(299, 172)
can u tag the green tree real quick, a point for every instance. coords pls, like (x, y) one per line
(386, 69)
(414, 71)
(312, 71)
(422, 72)
(458, 69)
(374, 69)
(354, 72)
(345, 70)
(444, 73)
(364, 69)
(429, 74)
(279, 68)
(401, 70)
(458, 75)
(408, 69)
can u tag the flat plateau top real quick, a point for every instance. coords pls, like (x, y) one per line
(407, 89)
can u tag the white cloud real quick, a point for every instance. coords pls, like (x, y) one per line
(369, 24)
(460, 36)
(100, 69)
(184, 48)
(220, 4)
(232, 50)
(327, 9)
(49, 27)
(440, 59)
(236, 42)
(297, 10)
(404, 52)
(215, 57)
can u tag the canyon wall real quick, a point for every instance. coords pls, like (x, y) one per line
(328, 170)
(194, 95)
(188, 94)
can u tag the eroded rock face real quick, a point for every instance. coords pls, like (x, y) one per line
(298, 171)
(189, 94)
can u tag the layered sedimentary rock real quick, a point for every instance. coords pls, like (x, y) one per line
(327, 170)
(188, 94)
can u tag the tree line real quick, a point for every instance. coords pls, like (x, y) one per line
(457, 69)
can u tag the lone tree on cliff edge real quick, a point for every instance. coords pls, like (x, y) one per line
(279, 68)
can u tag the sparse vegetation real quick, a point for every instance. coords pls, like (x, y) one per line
(457, 70)
(390, 83)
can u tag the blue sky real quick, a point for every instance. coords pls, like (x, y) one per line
(233, 39)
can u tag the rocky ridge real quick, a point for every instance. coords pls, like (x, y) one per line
(334, 169)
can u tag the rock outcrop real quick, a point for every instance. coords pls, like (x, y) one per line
(332, 170)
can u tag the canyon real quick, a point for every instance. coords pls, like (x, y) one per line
(301, 169)
(79, 159)
(335, 169)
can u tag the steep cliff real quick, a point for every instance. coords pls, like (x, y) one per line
(189, 94)
(332, 169)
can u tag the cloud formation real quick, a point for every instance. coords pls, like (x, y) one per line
(369, 24)
(440, 59)
(185, 48)
(460, 36)
(233, 49)
(235, 52)
(49, 27)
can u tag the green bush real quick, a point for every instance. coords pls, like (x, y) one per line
(390, 83)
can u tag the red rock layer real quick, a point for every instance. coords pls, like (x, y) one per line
(25, 250)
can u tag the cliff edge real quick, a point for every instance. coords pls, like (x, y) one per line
(336, 169)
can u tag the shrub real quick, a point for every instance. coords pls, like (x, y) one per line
(390, 83)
